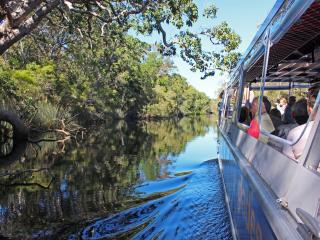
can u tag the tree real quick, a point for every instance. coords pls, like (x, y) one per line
(20, 18)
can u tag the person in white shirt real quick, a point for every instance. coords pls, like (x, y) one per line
(281, 106)
(296, 150)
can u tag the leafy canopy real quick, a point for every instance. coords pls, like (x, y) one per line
(20, 18)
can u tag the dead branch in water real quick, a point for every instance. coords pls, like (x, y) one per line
(64, 131)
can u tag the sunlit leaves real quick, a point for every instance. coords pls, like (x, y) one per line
(222, 34)
(210, 11)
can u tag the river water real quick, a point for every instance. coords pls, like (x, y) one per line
(151, 180)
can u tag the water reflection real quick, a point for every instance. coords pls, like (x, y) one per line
(77, 193)
(7, 145)
(249, 219)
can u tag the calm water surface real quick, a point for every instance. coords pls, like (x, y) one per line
(150, 180)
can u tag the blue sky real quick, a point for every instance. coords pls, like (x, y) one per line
(244, 16)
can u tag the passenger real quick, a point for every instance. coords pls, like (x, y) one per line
(296, 150)
(275, 116)
(300, 111)
(281, 106)
(300, 116)
(266, 122)
(287, 117)
(313, 92)
(275, 112)
(284, 129)
(244, 116)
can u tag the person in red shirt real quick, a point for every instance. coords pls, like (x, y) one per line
(266, 122)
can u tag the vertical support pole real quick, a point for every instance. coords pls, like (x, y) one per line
(290, 88)
(224, 104)
(249, 95)
(240, 94)
(267, 44)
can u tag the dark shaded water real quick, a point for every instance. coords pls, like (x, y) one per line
(145, 181)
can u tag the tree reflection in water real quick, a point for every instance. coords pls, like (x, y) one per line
(93, 178)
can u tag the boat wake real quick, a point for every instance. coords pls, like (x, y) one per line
(187, 205)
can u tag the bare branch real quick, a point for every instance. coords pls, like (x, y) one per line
(102, 28)
(164, 35)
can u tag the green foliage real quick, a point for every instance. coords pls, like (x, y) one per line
(176, 98)
(210, 11)
(116, 75)
(33, 81)
(111, 78)
(226, 36)
(187, 43)
(88, 21)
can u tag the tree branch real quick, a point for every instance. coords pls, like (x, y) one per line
(12, 35)
(26, 9)
(164, 35)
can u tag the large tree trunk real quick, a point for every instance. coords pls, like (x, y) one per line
(21, 18)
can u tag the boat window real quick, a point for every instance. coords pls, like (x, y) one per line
(284, 99)
(288, 109)
(244, 114)
(300, 102)
(298, 135)
(225, 101)
(230, 102)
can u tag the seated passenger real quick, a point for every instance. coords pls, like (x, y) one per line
(284, 129)
(266, 122)
(296, 150)
(300, 111)
(244, 116)
(275, 116)
(287, 117)
(300, 116)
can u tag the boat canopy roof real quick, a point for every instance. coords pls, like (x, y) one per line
(294, 55)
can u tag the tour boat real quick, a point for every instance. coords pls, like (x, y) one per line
(269, 194)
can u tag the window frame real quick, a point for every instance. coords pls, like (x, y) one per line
(267, 44)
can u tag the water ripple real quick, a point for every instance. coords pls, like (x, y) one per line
(188, 206)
